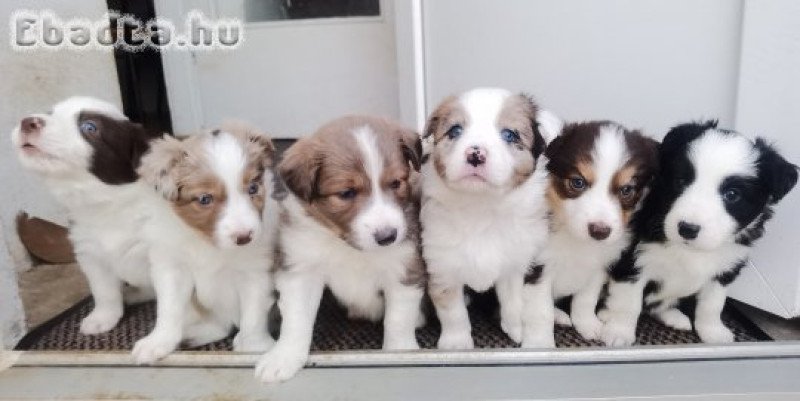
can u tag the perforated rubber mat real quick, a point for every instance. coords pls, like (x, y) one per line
(334, 331)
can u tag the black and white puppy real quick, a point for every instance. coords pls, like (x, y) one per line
(86, 152)
(484, 214)
(599, 172)
(350, 224)
(707, 207)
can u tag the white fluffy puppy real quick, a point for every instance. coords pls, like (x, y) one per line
(86, 151)
(484, 215)
(210, 239)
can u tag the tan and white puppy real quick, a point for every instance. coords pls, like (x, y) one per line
(599, 172)
(348, 223)
(211, 239)
(86, 152)
(483, 214)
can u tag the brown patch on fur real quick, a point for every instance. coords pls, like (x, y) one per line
(180, 170)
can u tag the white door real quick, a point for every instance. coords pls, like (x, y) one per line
(289, 75)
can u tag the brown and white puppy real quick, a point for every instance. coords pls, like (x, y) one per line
(484, 215)
(599, 173)
(348, 223)
(211, 239)
(86, 152)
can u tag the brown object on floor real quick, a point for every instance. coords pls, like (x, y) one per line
(49, 290)
(333, 332)
(48, 242)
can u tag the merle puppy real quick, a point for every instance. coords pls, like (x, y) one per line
(695, 230)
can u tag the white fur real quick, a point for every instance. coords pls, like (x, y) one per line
(480, 234)
(367, 281)
(104, 218)
(231, 283)
(575, 263)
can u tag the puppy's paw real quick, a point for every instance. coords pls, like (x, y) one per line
(715, 333)
(675, 319)
(539, 340)
(512, 327)
(455, 341)
(279, 364)
(401, 344)
(562, 318)
(99, 321)
(252, 344)
(152, 348)
(617, 334)
(588, 328)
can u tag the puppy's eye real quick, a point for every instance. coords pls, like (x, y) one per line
(205, 199)
(509, 136)
(732, 195)
(454, 131)
(348, 194)
(253, 188)
(577, 183)
(88, 127)
(626, 191)
(395, 184)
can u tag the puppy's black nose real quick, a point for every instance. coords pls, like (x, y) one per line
(244, 238)
(476, 156)
(385, 236)
(30, 125)
(688, 230)
(599, 231)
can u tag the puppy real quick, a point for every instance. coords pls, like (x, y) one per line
(210, 239)
(599, 172)
(695, 229)
(86, 151)
(348, 223)
(483, 214)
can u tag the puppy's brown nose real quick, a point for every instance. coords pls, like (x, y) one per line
(475, 156)
(244, 238)
(599, 231)
(31, 125)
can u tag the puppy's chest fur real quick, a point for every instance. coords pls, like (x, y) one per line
(680, 272)
(355, 277)
(478, 240)
(572, 263)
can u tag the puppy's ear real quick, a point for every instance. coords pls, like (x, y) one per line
(411, 146)
(300, 167)
(158, 165)
(777, 174)
(554, 147)
(438, 117)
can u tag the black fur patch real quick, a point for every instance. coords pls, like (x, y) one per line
(755, 230)
(534, 274)
(625, 269)
(118, 146)
(728, 276)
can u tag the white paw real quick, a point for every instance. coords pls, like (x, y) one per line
(539, 340)
(401, 344)
(99, 321)
(152, 348)
(675, 319)
(615, 334)
(715, 333)
(588, 328)
(513, 328)
(253, 344)
(280, 364)
(562, 318)
(455, 341)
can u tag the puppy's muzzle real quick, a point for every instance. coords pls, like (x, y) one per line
(385, 236)
(688, 231)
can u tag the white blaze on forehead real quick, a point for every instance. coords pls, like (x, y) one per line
(227, 159)
(717, 155)
(372, 157)
(483, 105)
(609, 155)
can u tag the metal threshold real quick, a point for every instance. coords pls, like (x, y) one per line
(744, 371)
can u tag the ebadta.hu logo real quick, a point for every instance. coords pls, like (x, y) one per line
(43, 29)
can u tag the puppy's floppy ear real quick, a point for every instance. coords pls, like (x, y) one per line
(539, 141)
(411, 146)
(777, 174)
(158, 165)
(300, 167)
